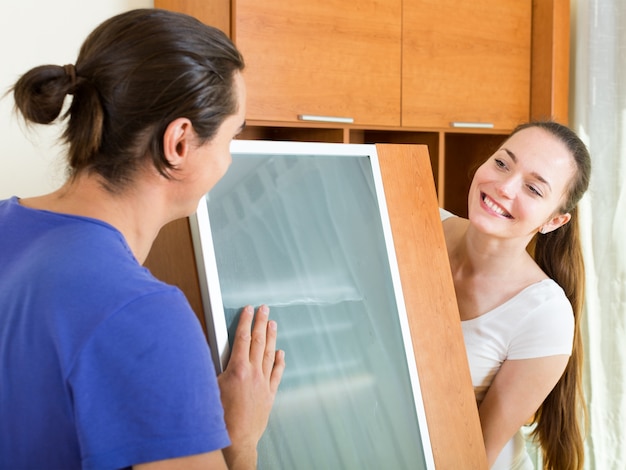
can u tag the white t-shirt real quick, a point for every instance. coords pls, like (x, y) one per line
(537, 322)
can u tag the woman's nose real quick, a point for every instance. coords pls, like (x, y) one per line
(506, 188)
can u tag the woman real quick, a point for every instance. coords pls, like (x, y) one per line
(519, 280)
(102, 365)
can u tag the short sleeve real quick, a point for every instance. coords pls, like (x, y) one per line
(145, 388)
(444, 214)
(546, 325)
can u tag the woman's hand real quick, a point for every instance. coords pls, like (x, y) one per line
(249, 384)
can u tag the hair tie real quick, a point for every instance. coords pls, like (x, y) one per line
(70, 70)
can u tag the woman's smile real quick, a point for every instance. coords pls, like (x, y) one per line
(493, 206)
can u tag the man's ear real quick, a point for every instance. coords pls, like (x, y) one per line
(555, 222)
(177, 140)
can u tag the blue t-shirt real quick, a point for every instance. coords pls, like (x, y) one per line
(102, 366)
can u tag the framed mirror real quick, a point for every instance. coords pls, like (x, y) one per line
(304, 228)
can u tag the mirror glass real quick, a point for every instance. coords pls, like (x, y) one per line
(305, 231)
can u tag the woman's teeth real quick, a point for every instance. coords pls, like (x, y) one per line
(495, 208)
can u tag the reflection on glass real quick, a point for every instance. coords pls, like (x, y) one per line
(303, 234)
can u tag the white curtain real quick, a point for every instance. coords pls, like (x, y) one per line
(598, 114)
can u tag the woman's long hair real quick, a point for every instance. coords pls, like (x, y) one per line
(560, 421)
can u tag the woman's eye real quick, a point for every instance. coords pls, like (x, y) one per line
(500, 163)
(535, 191)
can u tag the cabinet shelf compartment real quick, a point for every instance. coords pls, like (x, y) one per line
(464, 152)
(296, 133)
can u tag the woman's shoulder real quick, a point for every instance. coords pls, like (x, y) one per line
(450, 219)
(546, 292)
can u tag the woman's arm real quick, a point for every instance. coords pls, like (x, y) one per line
(517, 391)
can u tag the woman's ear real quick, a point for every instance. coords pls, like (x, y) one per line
(555, 222)
(177, 140)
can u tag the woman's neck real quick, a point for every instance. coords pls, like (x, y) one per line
(477, 254)
(487, 271)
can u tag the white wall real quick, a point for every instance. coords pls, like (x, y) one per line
(32, 33)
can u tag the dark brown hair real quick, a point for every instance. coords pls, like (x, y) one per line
(560, 421)
(135, 73)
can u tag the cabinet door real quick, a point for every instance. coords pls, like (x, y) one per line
(466, 62)
(314, 58)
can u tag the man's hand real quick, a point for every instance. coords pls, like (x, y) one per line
(249, 384)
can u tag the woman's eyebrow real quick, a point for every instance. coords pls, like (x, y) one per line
(511, 154)
(535, 174)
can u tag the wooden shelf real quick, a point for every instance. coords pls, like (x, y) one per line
(454, 153)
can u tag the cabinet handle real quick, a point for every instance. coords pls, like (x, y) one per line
(472, 125)
(310, 117)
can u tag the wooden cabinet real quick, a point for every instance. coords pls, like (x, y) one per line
(412, 63)
(466, 63)
(401, 71)
(312, 58)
